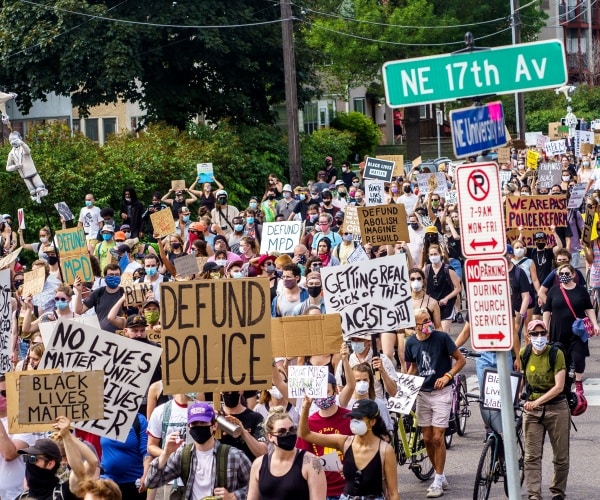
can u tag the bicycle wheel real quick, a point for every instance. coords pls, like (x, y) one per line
(397, 440)
(462, 410)
(485, 471)
(420, 463)
(448, 439)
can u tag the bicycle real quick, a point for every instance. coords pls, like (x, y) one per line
(492, 466)
(408, 443)
(459, 412)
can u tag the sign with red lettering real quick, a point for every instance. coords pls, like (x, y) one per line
(480, 210)
(490, 311)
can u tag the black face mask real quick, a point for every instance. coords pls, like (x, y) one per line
(221, 200)
(287, 442)
(406, 189)
(314, 291)
(414, 225)
(52, 259)
(302, 260)
(540, 245)
(231, 399)
(41, 481)
(201, 433)
(18, 283)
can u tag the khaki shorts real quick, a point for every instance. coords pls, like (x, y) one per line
(433, 408)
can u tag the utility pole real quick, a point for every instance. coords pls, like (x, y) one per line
(291, 94)
(516, 39)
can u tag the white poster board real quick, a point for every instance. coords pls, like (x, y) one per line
(374, 192)
(280, 237)
(307, 380)
(408, 389)
(577, 195)
(436, 181)
(491, 388)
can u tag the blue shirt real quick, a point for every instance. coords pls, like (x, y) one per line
(124, 462)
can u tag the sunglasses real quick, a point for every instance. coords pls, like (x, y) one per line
(424, 323)
(60, 299)
(32, 459)
(285, 432)
(537, 333)
(3, 393)
(565, 274)
(416, 278)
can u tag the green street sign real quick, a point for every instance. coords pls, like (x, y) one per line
(499, 70)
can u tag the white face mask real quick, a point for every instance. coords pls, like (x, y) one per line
(358, 427)
(519, 252)
(539, 343)
(416, 286)
(221, 262)
(435, 259)
(362, 387)
(275, 393)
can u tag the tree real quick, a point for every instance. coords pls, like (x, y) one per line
(173, 69)
(366, 133)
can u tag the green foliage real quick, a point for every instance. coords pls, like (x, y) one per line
(366, 132)
(322, 142)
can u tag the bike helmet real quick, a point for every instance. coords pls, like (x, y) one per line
(577, 403)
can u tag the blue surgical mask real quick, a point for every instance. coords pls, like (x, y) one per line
(358, 347)
(112, 281)
(238, 228)
(253, 204)
(62, 305)
(250, 220)
(237, 274)
(150, 271)
(88, 203)
(186, 218)
(301, 197)
(106, 236)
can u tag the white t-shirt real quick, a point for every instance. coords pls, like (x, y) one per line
(596, 178)
(12, 473)
(90, 218)
(205, 473)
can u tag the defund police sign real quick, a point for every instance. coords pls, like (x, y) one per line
(490, 312)
(477, 129)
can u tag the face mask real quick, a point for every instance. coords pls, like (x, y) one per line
(253, 205)
(237, 274)
(176, 245)
(356, 184)
(347, 237)
(270, 197)
(358, 347)
(151, 316)
(106, 237)
(287, 442)
(565, 178)
(314, 291)
(427, 328)
(287, 195)
(406, 189)
(394, 190)
(39, 480)
(541, 245)
(17, 284)
(52, 259)
(186, 218)
(326, 201)
(565, 278)
(343, 194)
(539, 342)
(127, 235)
(344, 169)
(151, 271)
(301, 197)
(238, 228)
(275, 393)
(127, 199)
(62, 305)
(88, 203)
(586, 163)
(325, 403)
(302, 259)
(250, 220)
(289, 284)
(328, 162)
(43, 239)
(270, 268)
(358, 427)
(112, 281)
(222, 200)
(313, 217)
(231, 399)
(221, 262)
(201, 433)
(519, 252)
(416, 286)
(358, 199)
(362, 387)
(435, 259)
(414, 225)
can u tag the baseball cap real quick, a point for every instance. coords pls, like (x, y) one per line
(150, 301)
(135, 320)
(339, 182)
(107, 228)
(184, 210)
(540, 235)
(221, 192)
(46, 447)
(125, 227)
(200, 411)
(123, 249)
(120, 235)
(210, 266)
(363, 408)
(431, 229)
(536, 322)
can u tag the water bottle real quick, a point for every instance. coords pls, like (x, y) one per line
(138, 483)
(229, 427)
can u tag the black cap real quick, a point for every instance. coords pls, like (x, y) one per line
(540, 235)
(136, 320)
(46, 447)
(364, 408)
(123, 248)
(210, 266)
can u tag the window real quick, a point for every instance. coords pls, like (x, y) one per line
(91, 129)
(76, 125)
(109, 126)
(310, 117)
(359, 105)
(423, 111)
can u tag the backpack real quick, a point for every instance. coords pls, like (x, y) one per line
(554, 347)
(222, 459)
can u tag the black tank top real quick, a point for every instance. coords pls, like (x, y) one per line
(367, 481)
(290, 485)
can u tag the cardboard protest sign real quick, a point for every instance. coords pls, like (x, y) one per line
(549, 174)
(541, 141)
(33, 281)
(491, 388)
(417, 161)
(7, 260)
(178, 185)
(154, 335)
(372, 297)
(358, 255)
(536, 212)
(383, 224)
(408, 389)
(64, 211)
(398, 163)
(205, 172)
(5, 321)
(588, 221)
(47, 327)
(518, 144)
(504, 155)
(13, 394)
(587, 148)
(351, 224)
(306, 380)
(280, 237)
(186, 265)
(21, 218)
(126, 279)
(216, 335)
(135, 294)
(163, 223)
(531, 160)
(553, 148)
(305, 335)
(378, 169)
(128, 366)
(432, 183)
(553, 130)
(201, 261)
(577, 195)
(74, 256)
(374, 192)
(79, 396)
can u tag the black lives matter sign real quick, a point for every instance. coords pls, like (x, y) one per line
(379, 169)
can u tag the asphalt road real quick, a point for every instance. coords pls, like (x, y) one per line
(463, 457)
